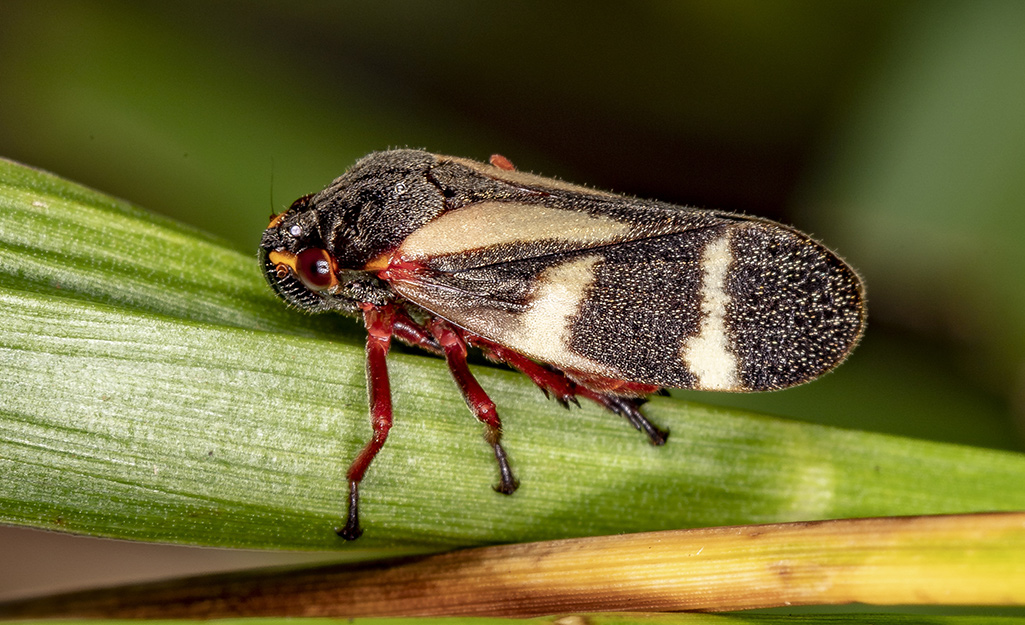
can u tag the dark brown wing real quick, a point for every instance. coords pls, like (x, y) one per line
(722, 303)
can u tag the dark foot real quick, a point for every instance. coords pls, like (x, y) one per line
(508, 483)
(352, 530)
(629, 408)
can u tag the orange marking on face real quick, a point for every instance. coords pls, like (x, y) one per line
(276, 219)
(279, 258)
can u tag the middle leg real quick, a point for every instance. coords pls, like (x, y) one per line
(476, 398)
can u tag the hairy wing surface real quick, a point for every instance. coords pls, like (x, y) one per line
(723, 305)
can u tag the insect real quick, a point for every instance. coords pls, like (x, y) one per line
(590, 294)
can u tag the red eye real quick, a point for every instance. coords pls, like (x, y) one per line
(314, 268)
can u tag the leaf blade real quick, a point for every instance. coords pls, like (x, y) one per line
(181, 418)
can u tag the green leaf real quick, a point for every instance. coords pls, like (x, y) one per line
(155, 389)
(61, 238)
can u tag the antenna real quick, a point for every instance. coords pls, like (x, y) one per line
(273, 212)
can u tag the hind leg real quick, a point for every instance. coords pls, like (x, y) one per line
(622, 398)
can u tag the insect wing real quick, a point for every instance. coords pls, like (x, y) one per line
(724, 303)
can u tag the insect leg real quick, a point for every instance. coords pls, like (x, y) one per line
(566, 390)
(629, 408)
(476, 399)
(550, 382)
(412, 333)
(380, 322)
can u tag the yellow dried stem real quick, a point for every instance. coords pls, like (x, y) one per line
(940, 560)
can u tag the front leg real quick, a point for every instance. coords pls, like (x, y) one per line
(379, 322)
(476, 399)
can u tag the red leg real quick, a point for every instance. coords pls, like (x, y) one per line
(412, 333)
(379, 322)
(551, 382)
(476, 399)
(622, 398)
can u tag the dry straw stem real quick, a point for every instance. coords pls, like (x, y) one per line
(945, 560)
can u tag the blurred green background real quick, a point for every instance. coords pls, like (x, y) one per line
(893, 131)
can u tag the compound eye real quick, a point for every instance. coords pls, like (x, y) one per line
(315, 269)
